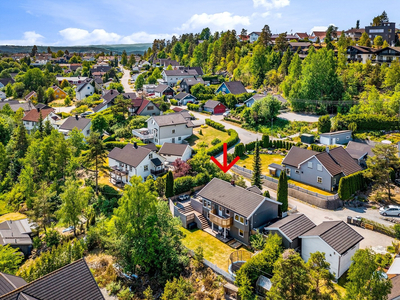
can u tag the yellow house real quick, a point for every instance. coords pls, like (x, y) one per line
(59, 93)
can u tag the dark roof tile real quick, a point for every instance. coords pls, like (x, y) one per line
(173, 149)
(293, 226)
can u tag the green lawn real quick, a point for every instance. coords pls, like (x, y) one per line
(208, 134)
(215, 251)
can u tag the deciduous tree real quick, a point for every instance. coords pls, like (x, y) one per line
(97, 156)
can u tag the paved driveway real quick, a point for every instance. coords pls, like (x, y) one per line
(291, 116)
(124, 81)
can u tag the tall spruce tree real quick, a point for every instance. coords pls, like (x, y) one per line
(256, 179)
(169, 185)
(97, 155)
(282, 194)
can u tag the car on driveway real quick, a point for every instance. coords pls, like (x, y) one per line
(390, 210)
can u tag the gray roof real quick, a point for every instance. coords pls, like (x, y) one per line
(181, 72)
(183, 95)
(81, 86)
(297, 155)
(336, 132)
(235, 87)
(255, 189)
(74, 281)
(161, 88)
(358, 150)
(15, 232)
(173, 149)
(395, 292)
(151, 147)
(233, 197)
(170, 119)
(276, 166)
(338, 161)
(337, 234)
(211, 104)
(193, 80)
(15, 105)
(293, 226)
(71, 122)
(130, 155)
(9, 283)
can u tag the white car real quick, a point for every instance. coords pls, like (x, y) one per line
(226, 114)
(390, 210)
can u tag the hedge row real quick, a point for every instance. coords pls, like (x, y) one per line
(174, 102)
(367, 122)
(232, 140)
(349, 185)
(388, 230)
(214, 124)
(318, 148)
(186, 183)
(239, 150)
(194, 107)
(232, 120)
(280, 144)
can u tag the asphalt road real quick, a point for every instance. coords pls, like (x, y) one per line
(124, 81)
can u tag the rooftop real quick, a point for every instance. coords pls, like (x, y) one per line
(293, 226)
(73, 122)
(130, 155)
(34, 114)
(173, 149)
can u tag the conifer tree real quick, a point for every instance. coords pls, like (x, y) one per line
(282, 194)
(169, 185)
(256, 179)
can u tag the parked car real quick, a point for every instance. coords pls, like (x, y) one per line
(183, 197)
(390, 210)
(85, 114)
(226, 114)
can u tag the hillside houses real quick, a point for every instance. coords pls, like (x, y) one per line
(32, 118)
(171, 77)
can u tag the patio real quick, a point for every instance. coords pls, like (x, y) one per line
(218, 234)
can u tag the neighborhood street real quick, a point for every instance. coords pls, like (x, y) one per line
(125, 80)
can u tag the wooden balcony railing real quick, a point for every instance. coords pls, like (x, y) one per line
(220, 221)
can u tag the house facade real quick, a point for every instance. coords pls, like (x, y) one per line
(84, 90)
(31, 119)
(253, 37)
(108, 100)
(387, 55)
(163, 89)
(231, 87)
(82, 124)
(171, 77)
(134, 160)
(143, 107)
(335, 138)
(184, 98)
(214, 107)
(171, 152)
(59, 93)
(360, 54)
(387, 30)
(72, 80)
(187, 83)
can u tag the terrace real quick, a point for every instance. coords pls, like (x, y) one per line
(143, 133)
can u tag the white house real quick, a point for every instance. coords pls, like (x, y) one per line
(72, 80)
(82, 124)
(172, 152)
(173, 76)
(171, 128)
(84, 90)
(254, 36)
(337, 240)
(335, 138)
(31, 119)
(133, 160)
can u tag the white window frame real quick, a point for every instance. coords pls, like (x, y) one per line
(319, 167)
(310, 164)
(240, 230)
(239, 217)
(319, 179)
(146, 167)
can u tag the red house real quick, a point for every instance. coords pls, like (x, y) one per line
(214, 107)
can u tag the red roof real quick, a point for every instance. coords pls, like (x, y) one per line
(177, 109)
(302, 35)
(33, 115)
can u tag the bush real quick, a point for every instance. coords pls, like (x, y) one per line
(265, 141)
(233, 120)
(215, 141)
(194, 107)
(388, 230)
(239, 150)
(215, 125)
(183, 184)
(112, 145)
(317, 148)
(232, 140)
(351, 184)
(366, 122)
(250, 146)
(174, 102)
(52, 238)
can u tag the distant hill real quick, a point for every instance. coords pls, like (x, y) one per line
(130, 48)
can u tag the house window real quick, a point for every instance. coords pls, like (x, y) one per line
(151, 155)
(131, 168)
(239, 219)
(297, 171)
(146, 167)
(310, 164)
(220, 208)
(319, 179)
(348, 137)
(288, 172)
(173, 130)
(150, 107)
(88, 131)
(337, 139)
(334, 180)
(319, 167)
(227, 211)
(179, 138)
(241, 233)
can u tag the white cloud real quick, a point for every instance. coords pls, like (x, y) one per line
(30, 38)
(218, 21)
(270, 4)
(143, 37)
(76, 36)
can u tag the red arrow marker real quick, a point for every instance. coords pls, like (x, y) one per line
(225, 168)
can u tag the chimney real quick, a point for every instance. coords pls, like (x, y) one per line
(327, 149)
(76, 117)
(233, 182)
(38, 109)
(135, 145)
(112, 92)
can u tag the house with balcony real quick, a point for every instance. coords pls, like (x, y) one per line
(171, 77)
(171, 128)
(134, 160)
(387, 55)
(360, 54)
(231, 212)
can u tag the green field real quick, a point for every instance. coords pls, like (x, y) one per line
(208, 134)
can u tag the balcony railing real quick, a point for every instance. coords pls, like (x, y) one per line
(143, 133)
(221, 221)
(157, 172)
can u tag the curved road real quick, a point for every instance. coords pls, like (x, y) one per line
(125, 81)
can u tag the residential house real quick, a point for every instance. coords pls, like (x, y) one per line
(395, 292)
(2, 96)
(214, 107)
(149, 88)
(102, 69)
(60, 284)
(254, 36)
(82, 124)
(17, 234)
(98, 82)
(15, 105)
(387, 55)
(74, 67)
(171, 152)
(320, 169)
(335, 138)
(108, 100)
(199, 70)
(184, 98)
(31, 119)
(143, 107)
(318, 35)
(59, 93)
(231, 87)
(173, 76)
(354, 33)
(163, 89)
(297, 46)
(187, 83)
(72, 80)
(133, 160)
(249, 102)
(289, 37)
(165, 62)
(170, 128)
(84, 90)
(30, 96)
(290, 229)
(360, 54)
(337, 240)
(387, 30)
(360, 152)
(234, 210)
(301, 35)
(5, 81)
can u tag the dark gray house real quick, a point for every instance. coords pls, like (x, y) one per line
(290, 228)
(387, 30)
(320, 169)
(184, 98)
(17, 234)
(235, 211)
(360, 152)
(335, 138)
(187, 83)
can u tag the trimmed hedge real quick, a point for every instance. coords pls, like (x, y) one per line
(318, 148)
(349, 185)
(239, 150)
(215, 125)
(367, 122)
(387, 230)
(186, 183)
(174, 102)
(112, 145)
(265, 141)
(232, 140)
(194, 107)
(232, 120)
(250, 146)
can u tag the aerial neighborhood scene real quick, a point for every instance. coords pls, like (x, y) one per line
(200, 150)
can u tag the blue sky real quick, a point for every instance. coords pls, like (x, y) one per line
(85, 22)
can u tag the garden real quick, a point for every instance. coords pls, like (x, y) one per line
(205, 136)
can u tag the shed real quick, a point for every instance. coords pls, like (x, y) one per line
(307, 138)
(338, 137)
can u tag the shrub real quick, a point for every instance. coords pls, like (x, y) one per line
(52, 238)
(349, 185)
(397, 230)
(232, 120)
(232, 140)
(250, 146)
(317, 148)
(215, 125)
(366, 122)
(183, 184)
(265, 141)
(174, 102)
(239, 150)
(215, 141)
(112, 145)
(194, 107)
